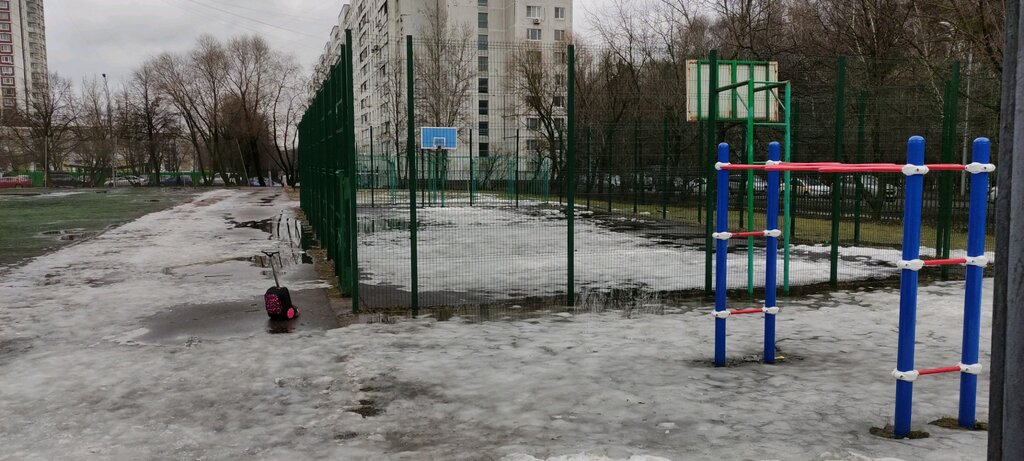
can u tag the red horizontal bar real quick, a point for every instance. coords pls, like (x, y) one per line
(945, 262)
(739, 235)
(752, 311)
(946, 167)
(935, 371)
(741, 166)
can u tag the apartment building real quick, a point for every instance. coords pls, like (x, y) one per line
(23, 68)
(497, 27)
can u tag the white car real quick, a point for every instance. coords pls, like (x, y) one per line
(123, 181)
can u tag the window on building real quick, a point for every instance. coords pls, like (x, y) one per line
(559, 12)
(559, 101)
(5, 16)
(7, 59)
(559, 35)
(485, 106)
(533, 145)
(563, 57)
(8, 102)
(481, 2)
(481, 42)
(482, 64)
(6, 48)
(485, 149)
(5, 37)
(483, 85)
(559, 124)
(6, 70)
(533, 12)
(533, 34)
(559, 79)
(485, 128)
(481, 20)
(5, 26)
(5, 5)
(9, 92)
(532, 123)
(7, 81)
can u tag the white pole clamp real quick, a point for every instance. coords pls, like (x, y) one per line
(719, 165)
(721, 314)
(908, 376)
(980, 261)
(773, 233)
(975, 168)
(972, 369)
(774, 310)
(912, 170)
(772, 162)
(722, 235)
(914, 265)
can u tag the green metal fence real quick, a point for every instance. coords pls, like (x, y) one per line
(608, 188)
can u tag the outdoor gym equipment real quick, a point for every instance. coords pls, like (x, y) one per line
(975, 262)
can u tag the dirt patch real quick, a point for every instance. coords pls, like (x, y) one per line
(952, 423)
(367, 409)
(887, 433)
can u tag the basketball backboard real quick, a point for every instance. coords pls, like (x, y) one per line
(432, 138)
(732, 103)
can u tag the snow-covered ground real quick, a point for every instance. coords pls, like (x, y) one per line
(79, 380)
(502, 253)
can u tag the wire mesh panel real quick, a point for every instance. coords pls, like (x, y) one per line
(484, 221)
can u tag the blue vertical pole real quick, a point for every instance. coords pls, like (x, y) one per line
(972, 293)
(771, 254)
(721, 258)
(908, 287)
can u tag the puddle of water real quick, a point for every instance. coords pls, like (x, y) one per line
(69, 235)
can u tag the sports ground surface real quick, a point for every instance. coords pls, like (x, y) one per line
(148, 341)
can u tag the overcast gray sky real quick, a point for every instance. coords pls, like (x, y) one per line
(91, 37)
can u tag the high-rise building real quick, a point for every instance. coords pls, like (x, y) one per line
(23, 69)
(496, 30)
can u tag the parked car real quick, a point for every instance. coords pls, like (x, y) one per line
(695, 186)
(255, 182)
(176, 180)
(870, 187)
(810, 187)
(15, 182)
(67, 180)
(123, 181)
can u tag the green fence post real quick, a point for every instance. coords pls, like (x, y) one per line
(664, 168)
(570, 213)
(590, 165)
(833, 277)
(608, 166)
(636, 164)
(515, 180)
(411, 162)
(945, 221)
(472, 175)
(861, 139)
(712, 135)
(749, 178)
(350, 131)
(373, 172)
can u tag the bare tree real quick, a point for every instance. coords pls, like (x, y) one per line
(152, 120)
(286, 109)
(444, 66)
(45, 131)
(197, 83)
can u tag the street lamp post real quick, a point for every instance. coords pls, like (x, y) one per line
(110, 128)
